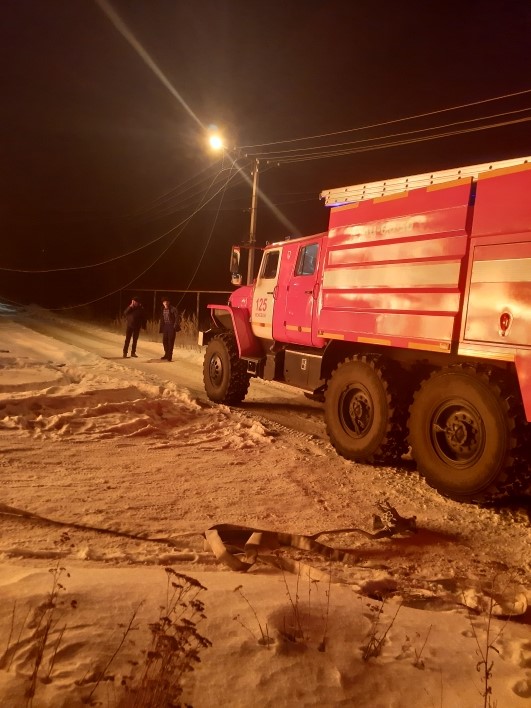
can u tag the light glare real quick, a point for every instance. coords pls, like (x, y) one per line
(216, 142)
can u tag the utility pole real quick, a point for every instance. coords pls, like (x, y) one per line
(252, 228)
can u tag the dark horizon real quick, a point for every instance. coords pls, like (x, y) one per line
(97, 145)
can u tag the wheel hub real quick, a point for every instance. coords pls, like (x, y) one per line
(356, 411)
(216, 370)
(457, 434)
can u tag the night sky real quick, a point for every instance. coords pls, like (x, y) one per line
(100, 159)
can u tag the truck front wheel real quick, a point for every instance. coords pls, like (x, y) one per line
(224, 373)
(361, 412)
(461, 434)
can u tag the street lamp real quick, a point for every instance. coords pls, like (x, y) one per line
(217, 144)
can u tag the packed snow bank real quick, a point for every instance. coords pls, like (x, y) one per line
(112, 472)
(312, 657)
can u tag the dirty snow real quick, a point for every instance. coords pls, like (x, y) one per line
(114, 469)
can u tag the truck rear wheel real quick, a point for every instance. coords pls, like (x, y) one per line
(224, 373)
(461, 434)
(361, 412)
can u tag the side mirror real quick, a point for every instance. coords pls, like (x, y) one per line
(235, 277)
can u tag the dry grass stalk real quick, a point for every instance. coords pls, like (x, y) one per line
(322, 645)
(264, 639)
(103, 672)
(377, 637)
(44, 623)
(419, 662)
(297, 633)
(486, 648)
(175, 646)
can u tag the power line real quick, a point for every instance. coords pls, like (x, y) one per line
(139, 275)
(369, 148)
(390, 122)
(170, 196)
(122, 255)
(179, 206)
(273, 156)
(177, 191)
(191, 280)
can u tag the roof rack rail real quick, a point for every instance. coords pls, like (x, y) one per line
(370, 190)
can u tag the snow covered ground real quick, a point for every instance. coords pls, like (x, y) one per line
(115, 469)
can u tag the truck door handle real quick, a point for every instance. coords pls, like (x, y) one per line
(308, 292)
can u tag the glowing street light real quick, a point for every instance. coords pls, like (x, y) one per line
(216, 142)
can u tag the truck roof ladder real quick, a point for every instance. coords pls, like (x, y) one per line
(370, 190)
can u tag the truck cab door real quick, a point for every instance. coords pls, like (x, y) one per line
(264, 292)
(299, 288)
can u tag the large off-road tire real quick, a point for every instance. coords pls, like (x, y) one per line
(363, 413)
(224, 373)
(462, 430)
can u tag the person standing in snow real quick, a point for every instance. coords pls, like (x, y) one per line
(136, 319)
(168, 327)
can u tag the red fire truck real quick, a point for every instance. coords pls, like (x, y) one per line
(410, 317)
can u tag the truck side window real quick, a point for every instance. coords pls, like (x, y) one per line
(269, 268)
(307, 260)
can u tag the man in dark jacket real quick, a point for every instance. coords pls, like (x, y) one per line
(136, 319)
(168, 326)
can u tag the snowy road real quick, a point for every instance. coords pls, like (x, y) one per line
(274, 401)
(286, 407)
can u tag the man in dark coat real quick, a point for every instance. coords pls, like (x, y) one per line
(169, 325)
(136, 319)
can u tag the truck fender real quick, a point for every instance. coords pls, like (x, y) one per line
(248, 344)
(334, 352)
